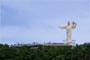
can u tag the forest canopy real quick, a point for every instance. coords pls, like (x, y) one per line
(40, 52)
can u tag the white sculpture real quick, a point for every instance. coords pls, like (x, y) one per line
(69, 28)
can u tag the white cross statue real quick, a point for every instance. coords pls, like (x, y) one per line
(69, 28)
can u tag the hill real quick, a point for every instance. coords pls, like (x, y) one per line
(39, 52)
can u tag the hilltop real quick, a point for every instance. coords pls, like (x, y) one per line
(40, 52)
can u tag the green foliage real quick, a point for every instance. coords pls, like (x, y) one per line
(39, 52)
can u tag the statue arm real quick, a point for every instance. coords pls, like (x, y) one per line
(62, 27)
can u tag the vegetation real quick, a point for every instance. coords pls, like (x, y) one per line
(80, 52)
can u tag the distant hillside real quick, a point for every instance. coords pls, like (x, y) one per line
(39, 52)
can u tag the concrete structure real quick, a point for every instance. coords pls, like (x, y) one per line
(69, 28)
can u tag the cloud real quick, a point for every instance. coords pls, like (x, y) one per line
(25, 12)
(23, 20)
(15, 12)
(16, 3)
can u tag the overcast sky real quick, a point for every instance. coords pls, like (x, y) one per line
(27, 21)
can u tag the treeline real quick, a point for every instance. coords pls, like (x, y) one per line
(39, 52)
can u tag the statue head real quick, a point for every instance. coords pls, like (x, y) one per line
(68, 23)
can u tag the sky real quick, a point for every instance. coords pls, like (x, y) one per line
(27, 21)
